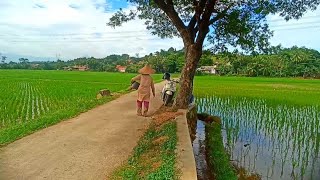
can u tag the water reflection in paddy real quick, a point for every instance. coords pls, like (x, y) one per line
(277, 141)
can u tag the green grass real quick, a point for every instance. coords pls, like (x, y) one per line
(218, 158)
(284, 90)
(31, 100)
(154, 157)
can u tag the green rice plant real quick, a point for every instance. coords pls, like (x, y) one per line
(277, 119)
(278, 90)
(31, 100)
(275, 130)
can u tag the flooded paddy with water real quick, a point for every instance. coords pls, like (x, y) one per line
(275, 140)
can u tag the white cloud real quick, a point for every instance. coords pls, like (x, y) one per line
(75, 28)
(71, 28)
(302, 32)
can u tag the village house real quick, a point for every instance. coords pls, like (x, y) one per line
(81, 68)
(67, 68)
(35, 66)
(121, 68)
(208, 69)
(76, 68)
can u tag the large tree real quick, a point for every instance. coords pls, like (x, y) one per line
(238, 24)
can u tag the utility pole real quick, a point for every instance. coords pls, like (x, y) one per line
(57, 56)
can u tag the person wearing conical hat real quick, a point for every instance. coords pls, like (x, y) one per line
(146, 85)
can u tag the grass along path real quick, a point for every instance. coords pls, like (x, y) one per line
(154, 157)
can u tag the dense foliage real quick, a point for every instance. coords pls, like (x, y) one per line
(286, 62)
(163, 61)
(280, 62)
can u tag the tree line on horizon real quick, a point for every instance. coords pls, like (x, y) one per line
(278, 62)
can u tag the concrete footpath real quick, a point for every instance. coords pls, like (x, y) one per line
(89, 146)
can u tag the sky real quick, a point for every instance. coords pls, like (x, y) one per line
(67, 29)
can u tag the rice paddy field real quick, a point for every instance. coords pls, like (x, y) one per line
(31, 100)
(270, 126)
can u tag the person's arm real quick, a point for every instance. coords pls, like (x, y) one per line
(137, 78)
(153, 89)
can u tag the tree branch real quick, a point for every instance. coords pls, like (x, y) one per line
(221, 14)
(174, 17)
(172, 14)
(169, 2)
(192, 22)
(198, 8)
(205, 22)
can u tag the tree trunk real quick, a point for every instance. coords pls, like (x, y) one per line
(192, 57)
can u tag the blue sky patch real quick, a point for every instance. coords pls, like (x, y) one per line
(117, 4)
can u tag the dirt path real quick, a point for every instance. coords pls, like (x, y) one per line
(89, 146)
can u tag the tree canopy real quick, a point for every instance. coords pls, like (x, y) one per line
(233, 23)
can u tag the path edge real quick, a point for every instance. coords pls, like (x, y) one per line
(186, 163)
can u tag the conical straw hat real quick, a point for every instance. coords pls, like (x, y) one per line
(147, 70)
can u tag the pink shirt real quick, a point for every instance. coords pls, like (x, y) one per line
(146, 85)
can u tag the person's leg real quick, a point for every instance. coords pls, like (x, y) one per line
(146, 107)
(139, 108)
